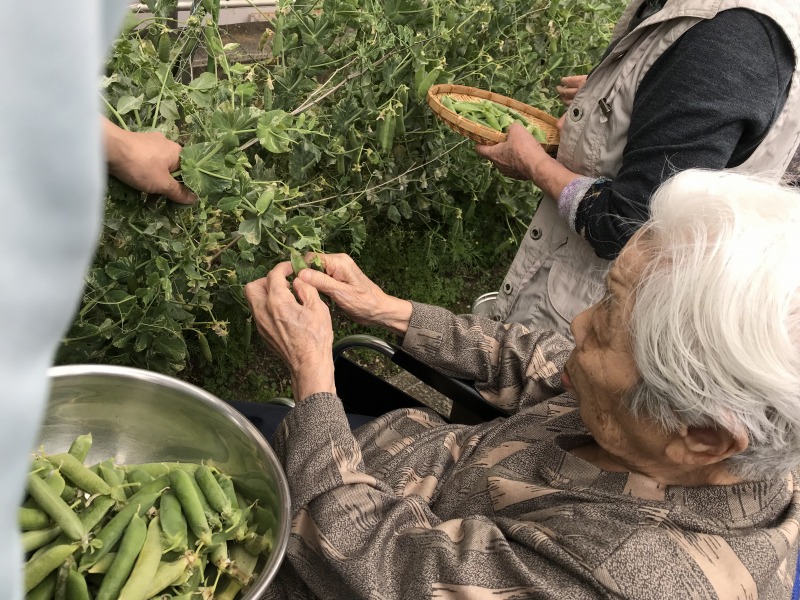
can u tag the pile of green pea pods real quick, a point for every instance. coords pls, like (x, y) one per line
(140, 531)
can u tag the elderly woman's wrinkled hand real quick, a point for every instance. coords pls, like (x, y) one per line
(298, 329)
(360, 299)
(570, 86)
(517, 156)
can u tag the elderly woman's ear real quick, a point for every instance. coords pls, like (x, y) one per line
(706, 445)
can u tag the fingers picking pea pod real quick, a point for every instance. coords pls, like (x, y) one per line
(39, 567)
(189, 496)
(173, 523)
(77, 473)
(58, 510)
(146, 565)
(129, 548)
(80, 447)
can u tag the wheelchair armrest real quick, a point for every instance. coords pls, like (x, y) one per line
(468, 405)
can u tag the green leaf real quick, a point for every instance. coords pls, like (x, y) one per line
(204, 170)
(173, 348)
(118, 270)
(229, 203)
(205, 82)
(169, 110)
(251, 231)
(393, 214)
(128, 103)
(271, 131)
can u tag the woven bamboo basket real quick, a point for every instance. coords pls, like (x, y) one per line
(480, 133)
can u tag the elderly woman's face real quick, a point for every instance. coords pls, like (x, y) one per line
(601, 370)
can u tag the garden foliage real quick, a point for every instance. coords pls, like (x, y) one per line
(303, 150)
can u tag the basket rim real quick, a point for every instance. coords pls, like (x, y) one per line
(480, 133)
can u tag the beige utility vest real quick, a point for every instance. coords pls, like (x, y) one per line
(556, 274)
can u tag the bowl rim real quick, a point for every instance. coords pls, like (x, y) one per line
(282, 538)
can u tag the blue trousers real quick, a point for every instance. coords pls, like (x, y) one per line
(267, 417)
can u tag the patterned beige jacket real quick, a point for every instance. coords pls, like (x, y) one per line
(409, 506)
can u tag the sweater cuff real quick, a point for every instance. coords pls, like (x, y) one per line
(426, 331)
(571, 197)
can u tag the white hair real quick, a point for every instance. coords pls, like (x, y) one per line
(715, 325)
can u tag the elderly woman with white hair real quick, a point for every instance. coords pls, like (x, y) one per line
(653, 459)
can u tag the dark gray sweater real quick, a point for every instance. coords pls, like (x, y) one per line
(707, 102)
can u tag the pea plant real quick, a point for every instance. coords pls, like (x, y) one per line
(303, 150)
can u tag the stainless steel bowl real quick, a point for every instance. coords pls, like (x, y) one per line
(137, 416)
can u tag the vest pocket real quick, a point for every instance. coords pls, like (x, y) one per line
(571, 292)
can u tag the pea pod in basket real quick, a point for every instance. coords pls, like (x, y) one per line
(493, 115)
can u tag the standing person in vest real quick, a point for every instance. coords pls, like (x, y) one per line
(683, 84)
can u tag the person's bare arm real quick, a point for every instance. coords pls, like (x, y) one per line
(145, 161)
(522, 157)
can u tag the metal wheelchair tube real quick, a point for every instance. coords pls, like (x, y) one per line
(362, 340)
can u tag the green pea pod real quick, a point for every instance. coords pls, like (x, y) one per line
(386, 132)
(30, 519)
(298, 263)
(138, 478)
(77, 473)
(212, 491)
(161, 469)
(205, 349)
(39, 567)
(76, 588)
(188, 47)
(164, 47)
(115, 478)
(97, 510)
(120, 569)
(102, 565)
(33, 540)
(173, 523)
(116, 528)
(537, 133)
(226, 483)
(45, 590)
(248, 333)
(54, 506)
(427, 82)
(55, 482)
(400, 120)
(146, 565)
(277, 42)
(81, 446)
(184, 487)
(269, 95)
(169, 573)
